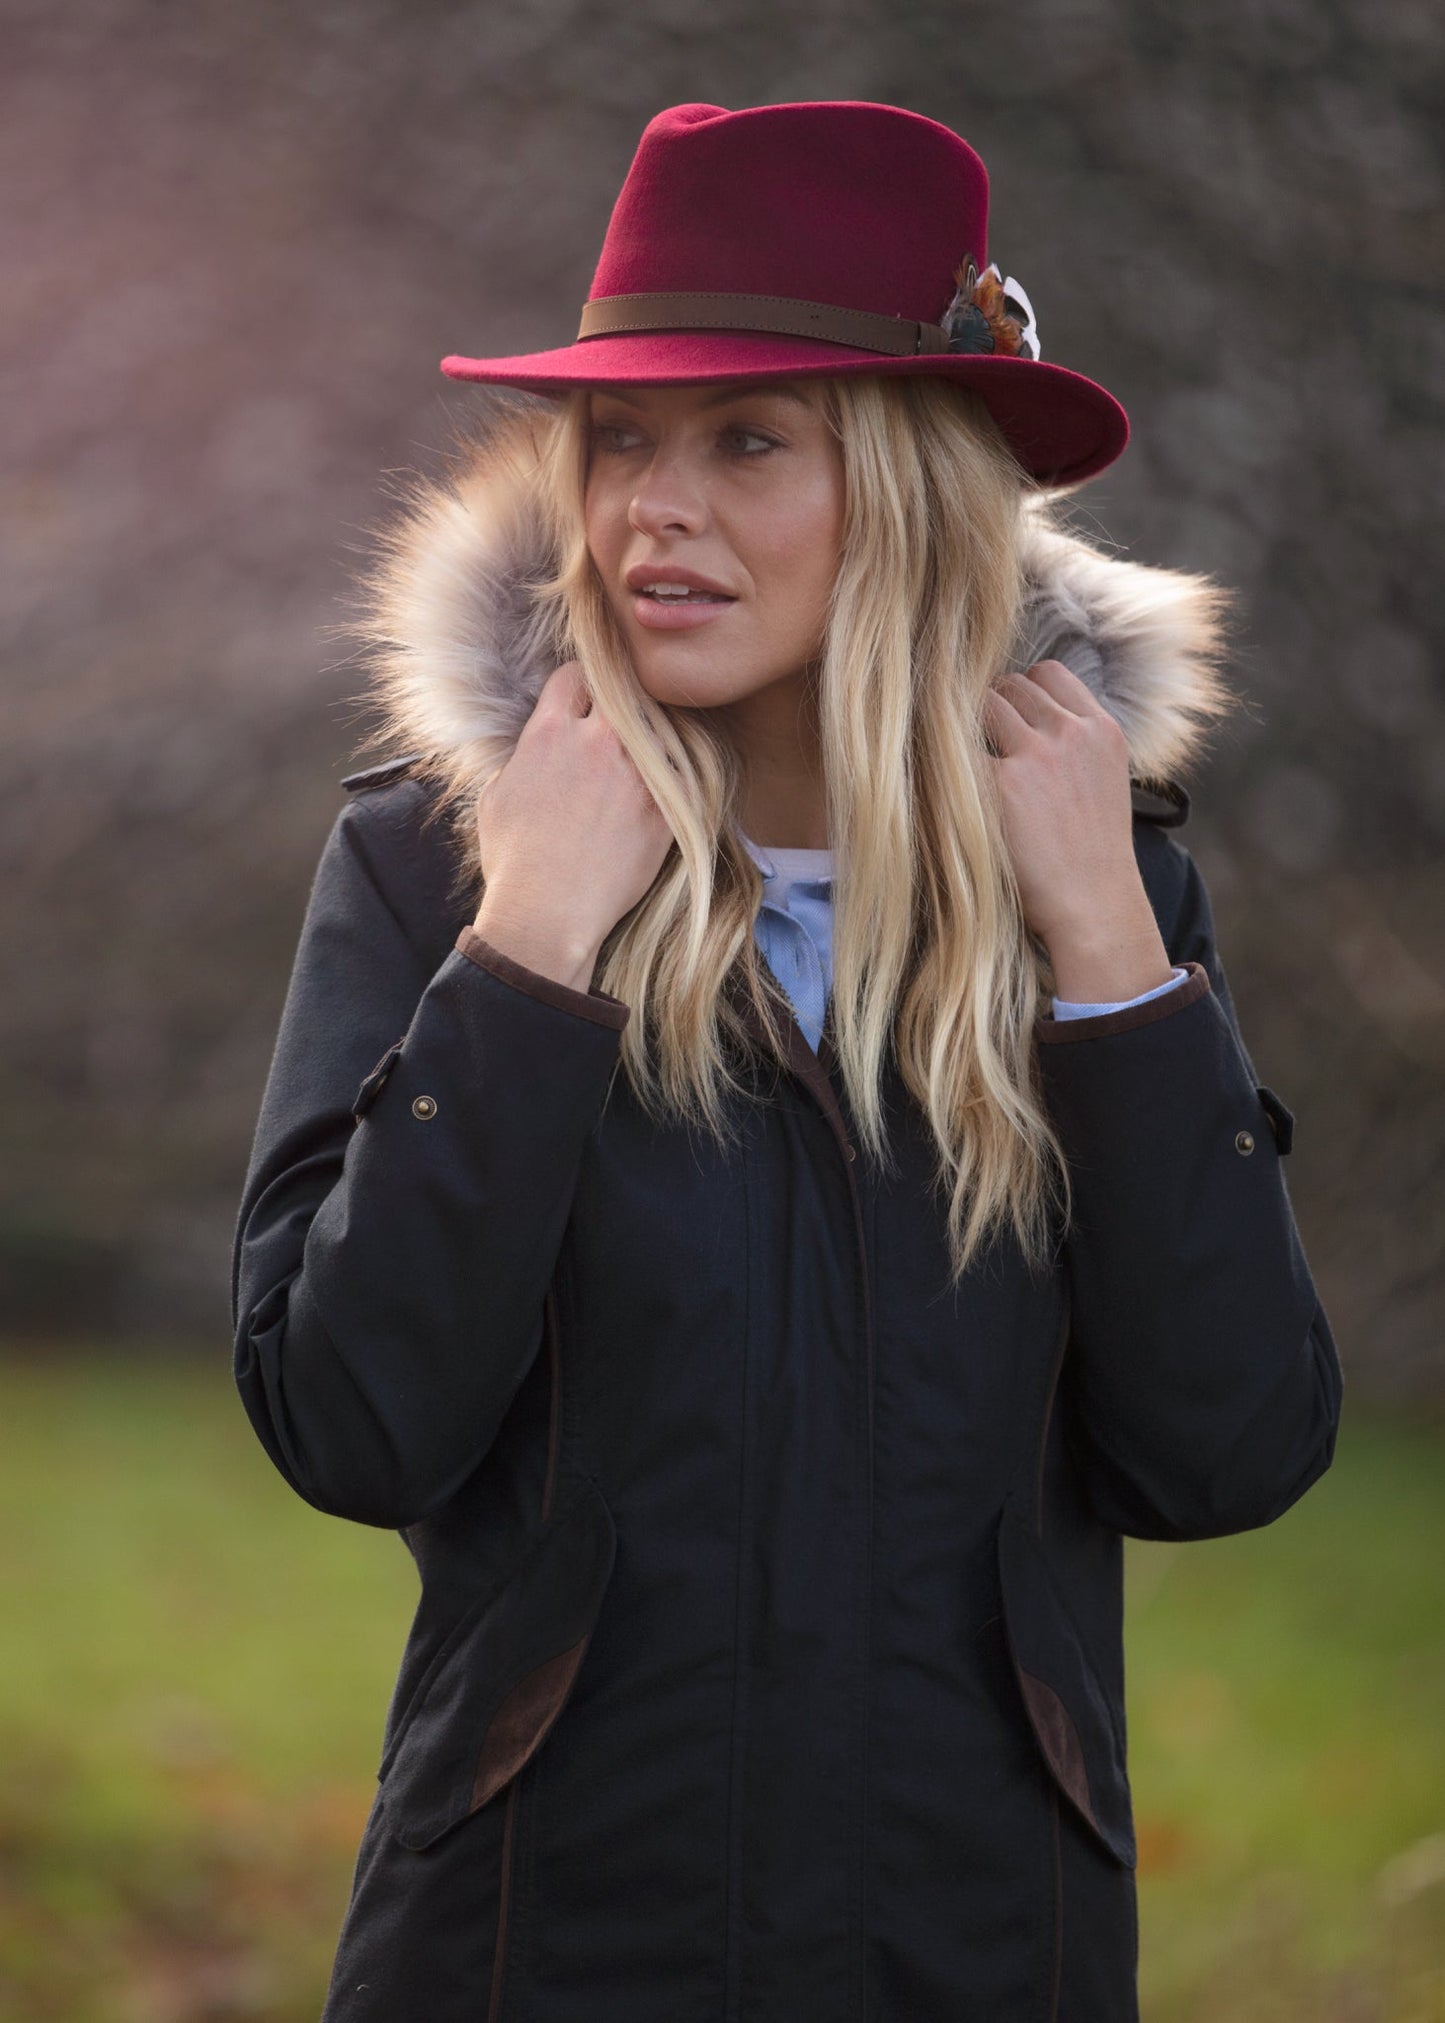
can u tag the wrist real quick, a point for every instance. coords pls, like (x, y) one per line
(1110, 959)
(552, 948)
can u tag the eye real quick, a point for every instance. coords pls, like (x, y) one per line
(616, 438)
(601, 434)
(736, 430)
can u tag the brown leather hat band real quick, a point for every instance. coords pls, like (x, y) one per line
(859, 329)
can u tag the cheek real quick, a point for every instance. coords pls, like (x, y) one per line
(799, 545)
(605, 525)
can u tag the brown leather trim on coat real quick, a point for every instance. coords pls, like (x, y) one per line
(523, 1719)
(1054, 1726)
(598, 1005)
(1195, 985)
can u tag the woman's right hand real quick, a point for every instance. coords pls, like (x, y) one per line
(570, 837)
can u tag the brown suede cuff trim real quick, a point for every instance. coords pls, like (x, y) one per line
(597, 1005)
(1194, 986)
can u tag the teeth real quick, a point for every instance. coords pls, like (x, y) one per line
(670, 590)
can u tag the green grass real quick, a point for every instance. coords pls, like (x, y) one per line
(1286, 1692)
(197, 1668)
(196, 1675)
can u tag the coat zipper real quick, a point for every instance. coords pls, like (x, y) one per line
(813, 1070)
(825, 1061)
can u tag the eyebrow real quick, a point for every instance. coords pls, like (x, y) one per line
(735, 391)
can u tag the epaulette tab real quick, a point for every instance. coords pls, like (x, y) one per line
(1173, 816)
(378, 776)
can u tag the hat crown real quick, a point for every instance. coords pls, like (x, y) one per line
(866, 206)
(834, 237)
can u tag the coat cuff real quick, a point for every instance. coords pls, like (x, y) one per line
(1051, 1030)
(1073, 1008)
(588, 1004)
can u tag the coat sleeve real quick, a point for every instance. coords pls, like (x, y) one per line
(1201, 1387)
(398, 1227)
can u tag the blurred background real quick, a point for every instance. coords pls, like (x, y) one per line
(236, 242)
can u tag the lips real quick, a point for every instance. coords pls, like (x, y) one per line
(678, 614)
(673, 584)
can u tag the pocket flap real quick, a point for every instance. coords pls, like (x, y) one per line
(501, 1679)
(1068, 1707)
(1281, 1119)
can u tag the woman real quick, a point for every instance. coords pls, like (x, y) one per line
(760, 1181)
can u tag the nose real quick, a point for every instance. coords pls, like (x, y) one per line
(668, 500)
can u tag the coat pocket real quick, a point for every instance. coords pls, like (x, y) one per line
(1068, 1707)
(501, 1679)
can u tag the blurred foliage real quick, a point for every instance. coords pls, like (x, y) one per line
(238, 241)
(198, 1666)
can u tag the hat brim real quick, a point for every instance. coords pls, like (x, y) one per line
(1060, 425)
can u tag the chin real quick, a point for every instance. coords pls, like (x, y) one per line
(683, 687)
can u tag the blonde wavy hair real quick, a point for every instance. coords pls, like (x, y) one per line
(932, 956)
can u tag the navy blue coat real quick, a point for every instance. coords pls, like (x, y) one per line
(768, 1660)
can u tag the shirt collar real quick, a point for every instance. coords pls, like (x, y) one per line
(758, 855)
(763, 859)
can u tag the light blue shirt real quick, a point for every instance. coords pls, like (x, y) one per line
(794, 930)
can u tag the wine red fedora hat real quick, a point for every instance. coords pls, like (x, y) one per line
(832, 236)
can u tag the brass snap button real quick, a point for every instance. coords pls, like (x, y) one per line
(1244, 1141)
(424, 1106)
(851, 1151)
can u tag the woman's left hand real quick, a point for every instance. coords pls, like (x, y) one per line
(1062, 766)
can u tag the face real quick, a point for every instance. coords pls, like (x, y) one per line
(738, 492)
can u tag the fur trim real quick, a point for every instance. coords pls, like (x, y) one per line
(458, 656)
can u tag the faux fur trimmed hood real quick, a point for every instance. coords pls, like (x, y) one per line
(458, 657)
